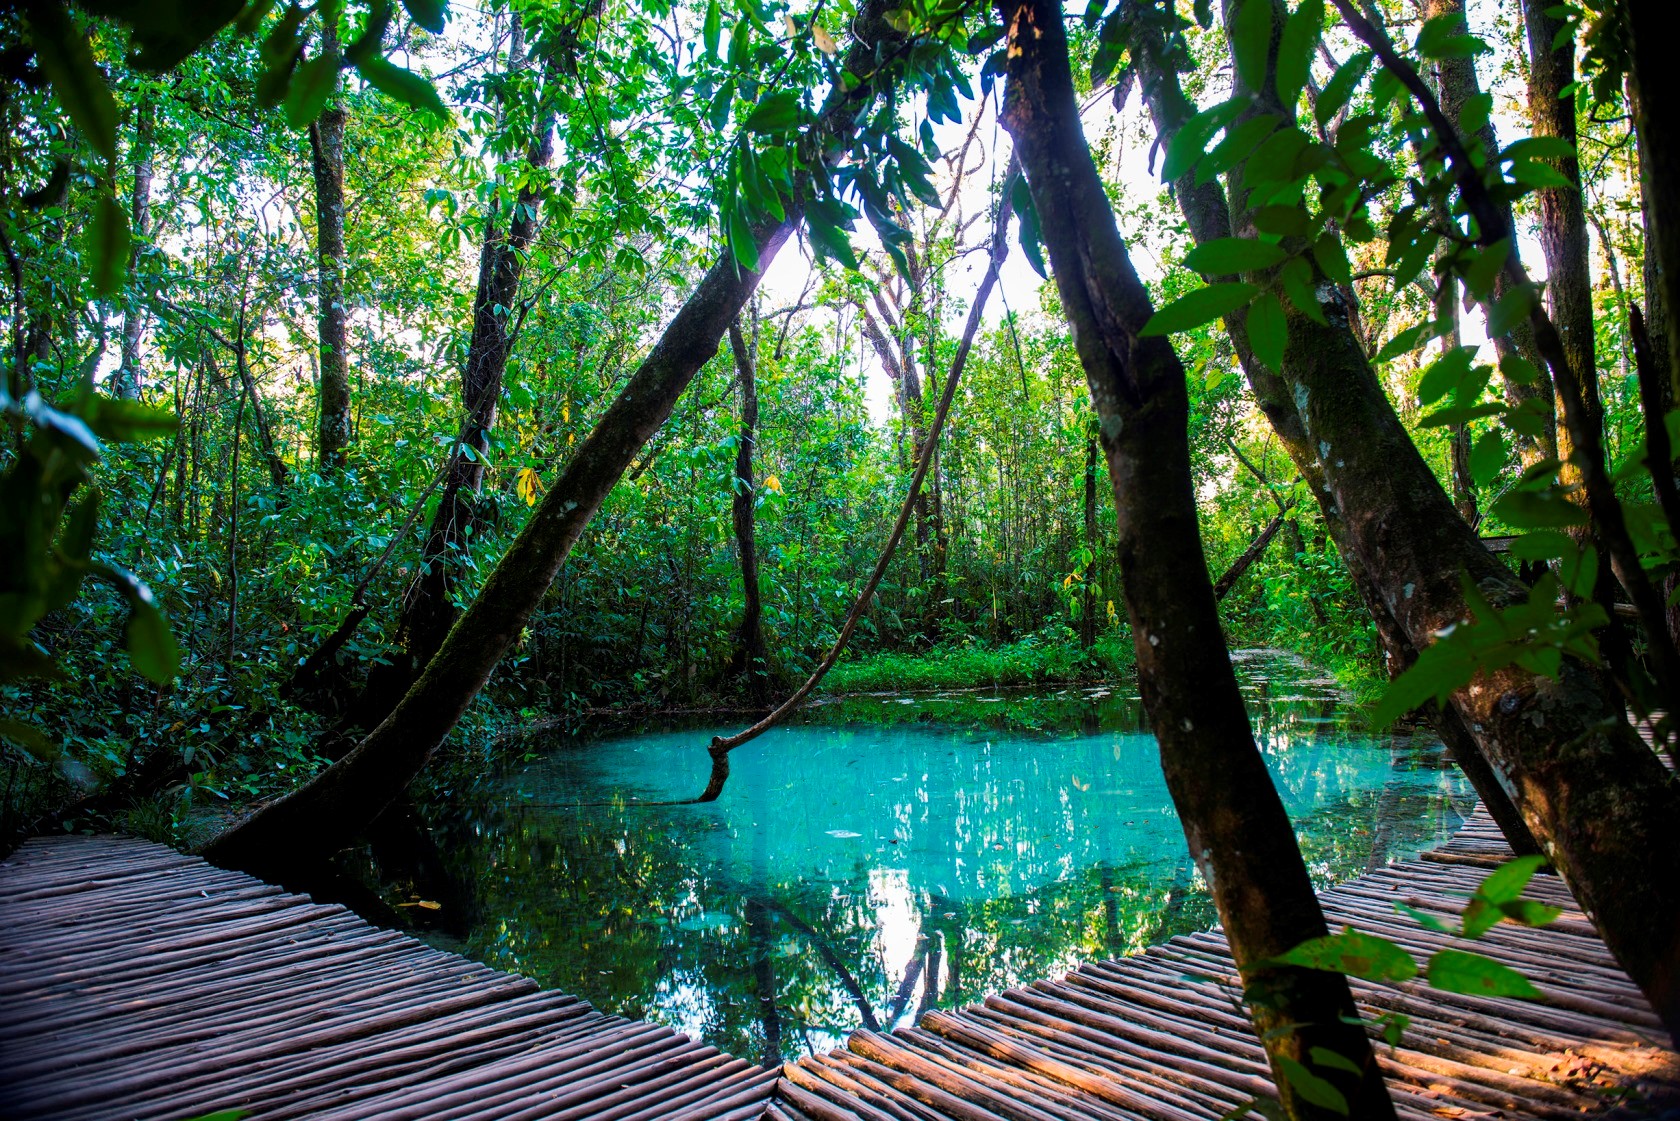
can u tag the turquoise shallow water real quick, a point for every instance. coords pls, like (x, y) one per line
(895, 853)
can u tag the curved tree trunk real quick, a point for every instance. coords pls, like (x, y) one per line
(1234, 821)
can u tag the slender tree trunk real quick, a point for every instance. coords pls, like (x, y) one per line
(749, 658)
(1088, 593)
(429, 607)
(1236, 826)
(326, 813)
(1458, 85)
(326, 143)
(129, 375)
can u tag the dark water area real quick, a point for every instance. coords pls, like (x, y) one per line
(889, 854)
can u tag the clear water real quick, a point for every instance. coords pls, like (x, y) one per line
(895, 853)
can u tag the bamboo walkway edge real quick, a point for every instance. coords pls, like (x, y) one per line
(138, 983)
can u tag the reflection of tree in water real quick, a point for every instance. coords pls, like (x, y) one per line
(990, 862)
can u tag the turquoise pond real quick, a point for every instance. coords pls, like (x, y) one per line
(894, 853)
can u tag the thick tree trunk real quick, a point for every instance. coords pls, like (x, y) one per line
(129, 375)
(1208, 216)
(326, 813)
(1236, 826)
(748, 661)
(1657, 83)
(326, 143)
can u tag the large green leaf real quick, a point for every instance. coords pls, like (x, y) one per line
(1228, 256)
(1355, 954)
(311, 86)
(1301, 32)
(1204, 305)
(778, 112)
(1310, 1086)
(428, 13)
(404, 85)
(1191, 140)
(151, 646)
(1268, 331)
(1458, 971)
(1251, 40)
(109, 240)
(61, 51)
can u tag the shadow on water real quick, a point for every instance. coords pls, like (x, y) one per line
(888, 854)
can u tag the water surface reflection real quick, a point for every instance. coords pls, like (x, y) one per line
(895, 853)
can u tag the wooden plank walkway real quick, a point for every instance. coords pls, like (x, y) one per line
(1158, 1036)
(136, 982)
(139, 983)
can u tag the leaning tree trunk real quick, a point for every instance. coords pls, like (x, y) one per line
(748, 661)
(1208, 216)
(128, 375)
(326, 145)
(1234, 821)
(327, 812)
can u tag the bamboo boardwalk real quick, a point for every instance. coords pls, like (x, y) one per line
(1158, 1037)
(139, 983)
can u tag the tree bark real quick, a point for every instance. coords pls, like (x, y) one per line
(748, 661)
(129, 375)
(1087, 591)
(429, 607)
(1256, 548)
(326, 813)
(1657, 83)
(326, 144)
(1458, 85)
(1236, 826)
(1207, 214)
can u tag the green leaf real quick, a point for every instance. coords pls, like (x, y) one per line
(1190, 141)
(1445, 375)
(151, 646)
(1506, 882)
(1458, 971)
(1539, 148)
(1304, 1082)
(1301, 32)
(29, 738)
(1524, 509)
(1422, 918)
(428, 13)
(61, 51)
(1333, 1060)
(1518, 370)
(712, 31)
(1332, 258)
(125, 422)
(1227, 256)
(1021, 201)
(1251, 40)
(1356, 954)
(1487, 457)
(742, 245)
(1196, 308)
(1284, 221)
(1529, 912)
(1407, 341)
(777, 113)
(403, 85)
(1338, 91)
(1484, 265)
(1268, 331)
(1296, 276)
(110, 240)
(311, 86)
